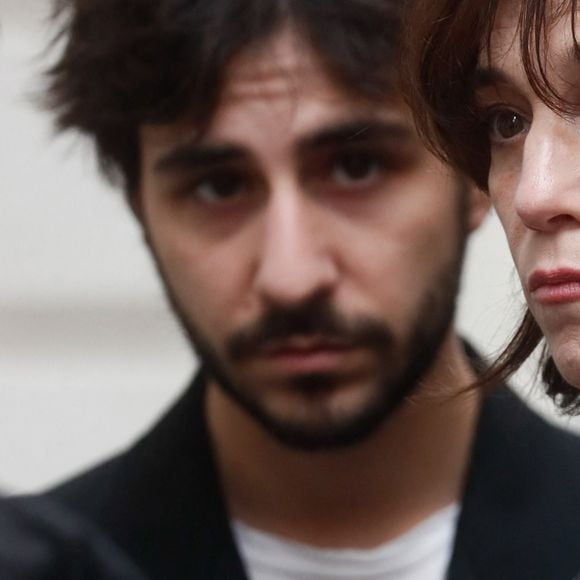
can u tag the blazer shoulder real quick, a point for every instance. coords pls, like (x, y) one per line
(520, 514)
(540, 447)
(89, 492)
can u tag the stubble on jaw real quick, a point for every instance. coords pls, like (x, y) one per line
(403, 360)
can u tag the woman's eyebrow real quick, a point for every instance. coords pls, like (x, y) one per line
(485, 76)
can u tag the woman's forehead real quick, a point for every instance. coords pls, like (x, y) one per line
(545, 27)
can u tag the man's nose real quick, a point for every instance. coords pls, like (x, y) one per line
(296, 260)
(548, 193)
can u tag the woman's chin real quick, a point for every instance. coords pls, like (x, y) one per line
(569, 367)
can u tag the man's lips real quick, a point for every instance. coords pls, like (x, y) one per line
(307, 354)
(555, 286)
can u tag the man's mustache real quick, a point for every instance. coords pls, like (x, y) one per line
(316, 317)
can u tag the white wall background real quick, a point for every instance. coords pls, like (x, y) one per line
(89, 354)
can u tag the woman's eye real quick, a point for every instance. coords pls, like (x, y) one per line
(219, 187)
(354, 167)
(506, 124)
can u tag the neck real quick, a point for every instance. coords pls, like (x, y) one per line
(362, 496)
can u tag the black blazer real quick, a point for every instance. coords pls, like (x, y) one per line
(41, 541)
(520, 520)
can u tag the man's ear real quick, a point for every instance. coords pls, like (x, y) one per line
(478, 206)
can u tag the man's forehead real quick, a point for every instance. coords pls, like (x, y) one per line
(275, 74)
(339, 124)
(271, 66)
(287, 63)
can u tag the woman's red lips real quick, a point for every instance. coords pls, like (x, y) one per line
(555, 286)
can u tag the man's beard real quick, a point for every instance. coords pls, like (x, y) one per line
(404, 360)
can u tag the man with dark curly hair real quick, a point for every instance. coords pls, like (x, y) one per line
(311, 248)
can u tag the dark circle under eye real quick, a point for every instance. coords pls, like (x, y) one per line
(507, 125)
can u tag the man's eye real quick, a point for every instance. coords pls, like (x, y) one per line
(352, 168)
(219, 187)
(506, 124)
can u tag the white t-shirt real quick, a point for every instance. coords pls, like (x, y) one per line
(422, 553)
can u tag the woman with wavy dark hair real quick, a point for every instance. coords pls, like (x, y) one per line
(495, 85)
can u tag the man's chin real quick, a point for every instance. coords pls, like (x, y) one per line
(318, 436)
(316, 418)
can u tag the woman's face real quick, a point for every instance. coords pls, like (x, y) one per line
(534, 178)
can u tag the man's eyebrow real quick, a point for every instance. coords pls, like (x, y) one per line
(359, 130)
(192, 155)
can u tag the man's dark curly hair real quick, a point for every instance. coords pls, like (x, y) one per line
(126, 63)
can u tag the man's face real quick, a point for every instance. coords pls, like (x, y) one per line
(309, 243)
(534, 179)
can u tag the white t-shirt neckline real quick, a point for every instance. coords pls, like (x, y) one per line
(422, 553)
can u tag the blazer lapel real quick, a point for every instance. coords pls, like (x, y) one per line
(186, 530)
(520, 515)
